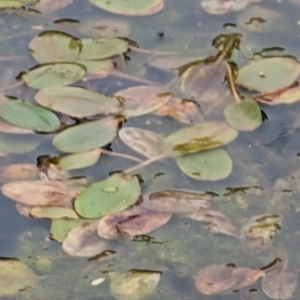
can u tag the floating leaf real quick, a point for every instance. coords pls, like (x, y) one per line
(101, 68)
(61, 227)
(9, 128)
(280, 284)
(83, 241)
(14, 277)
(111, 195)
(245, 116)
(269, 75)
(204, 81)
(136, 221)
(49, 6)
(131, 7)
(53, 212)
(220, 7)
(176, 201)
(80, 160)
(26, 115)
(218, 279)
(39, 192)
(141, 100)
(77, 102)
(102, 48)
(16, 143)
(199, 137)
(18, 172)
(135, 285)
(15, 3)
(87, 136)
(210, 165)
(145, 142)
(184, 111)
(219, 223)
(55, 46)
(53, 74)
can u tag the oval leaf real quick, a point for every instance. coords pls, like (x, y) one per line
(131, 7)
(87, 136)
(53, 74)
(26, 115)
(200, 137)
(269, 75)
(108, 196)
(136, 221)
(77, 102)
(54, 46)
(53, 212)
(207, 165)
(245, 116)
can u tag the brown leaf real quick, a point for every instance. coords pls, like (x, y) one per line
(219, 223)
(135, 221)
(48, 6)
(18, 172)
(40, 192)
(184, 111)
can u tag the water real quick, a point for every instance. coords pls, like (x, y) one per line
(265, 160)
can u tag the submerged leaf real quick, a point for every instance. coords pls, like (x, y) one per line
(53, 74)
(145, 142)
(269, 75)
(176, 201)
(131, 7)
(199, 137)
(135, 285)
(26, 115)
(111, 195)
(136, 221)
(87, 136)
(14, 277)
(141, 100)
(77, 102)
(39, 192)
(245, 116)
(83, 241)
(211, 165)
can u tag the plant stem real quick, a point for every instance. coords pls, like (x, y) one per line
(121, 155)
(231, 83)
(145, 163)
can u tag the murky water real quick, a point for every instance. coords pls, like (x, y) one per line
(265, 161)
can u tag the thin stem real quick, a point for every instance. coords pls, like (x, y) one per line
(145, 163)
(231, 83)
(121, 155)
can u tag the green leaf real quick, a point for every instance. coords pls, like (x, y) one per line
(102, 48)
(77, 102)
(130, 7)
(80, 160)
(245, 116)
(14, 277)
(207, 165)
(111, 195)
(55, 46)
(87, 136)
(15, 3)
(199, 137)
(61, 227)
(145, 142)
(269, 74)
(53, 74)
(26, 115)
